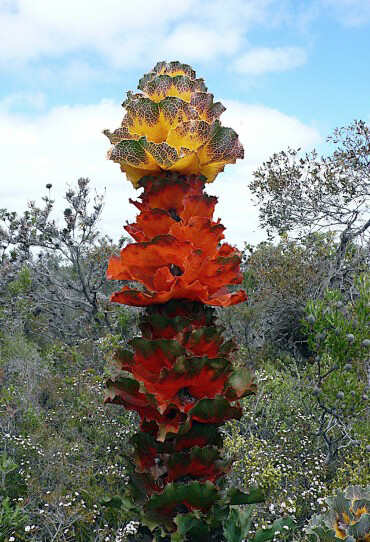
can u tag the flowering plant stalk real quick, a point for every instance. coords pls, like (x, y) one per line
(178, 375)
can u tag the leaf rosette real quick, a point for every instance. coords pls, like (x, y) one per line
(172, 125)
(178, 254)
(347, 518)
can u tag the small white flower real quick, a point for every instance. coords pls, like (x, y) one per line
(27, 528)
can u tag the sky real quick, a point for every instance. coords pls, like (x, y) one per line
(288, 71)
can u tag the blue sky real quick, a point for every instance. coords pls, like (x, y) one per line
(289, 72)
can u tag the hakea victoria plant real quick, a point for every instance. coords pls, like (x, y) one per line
(178, 375)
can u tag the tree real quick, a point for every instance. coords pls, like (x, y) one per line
(66, 264)
(305, 195)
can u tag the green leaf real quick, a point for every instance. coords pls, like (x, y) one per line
(217, 515)
(185, 522)
(160, 323)
(127, 503)
(197, 494)
(241, 382)
(118, 502)
(227, 347)
(191, 525)
(199, 435)
(238, 524)
(123, 356)
(159, 508)
(215, 410)
(191, 367)
(144, 441)
(138, 484)
(150, 347)
(112, 502)
(267, 534)
(254, 495)
(361, 528)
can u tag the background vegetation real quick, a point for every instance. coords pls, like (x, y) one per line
(304, 330)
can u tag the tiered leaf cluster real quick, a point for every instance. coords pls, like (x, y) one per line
(178, 375)
(173, 125)
(347, 518)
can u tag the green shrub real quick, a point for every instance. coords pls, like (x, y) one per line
(13, 521)
(70, 450)
(337, 334)
(274, 445)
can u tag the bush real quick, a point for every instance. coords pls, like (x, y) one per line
(274, 445)
(337, 334)
(69, 449)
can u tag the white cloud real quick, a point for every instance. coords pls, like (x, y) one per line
(262, 60)
(349, 12)
(77, 72)
(66, 143)
(31, 100)
(196, 42)
(59, 147)
(123, 31)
